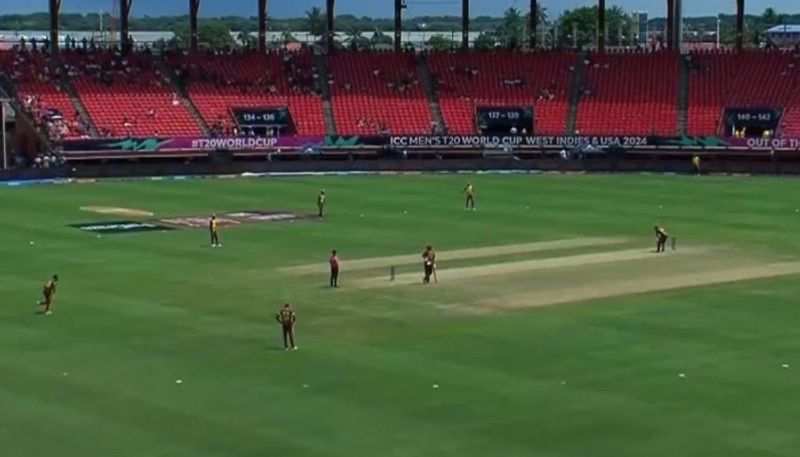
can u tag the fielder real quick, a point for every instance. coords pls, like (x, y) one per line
(321, 204)
(48, 291)
(334, 263)
(213, 228)
(287, 318)
(469, 191)
(429, 264)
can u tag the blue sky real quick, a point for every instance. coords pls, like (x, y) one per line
(383, 8)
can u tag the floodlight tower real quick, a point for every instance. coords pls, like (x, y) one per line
(677, 18)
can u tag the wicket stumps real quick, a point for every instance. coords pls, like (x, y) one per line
(674, 243)
(391, 273)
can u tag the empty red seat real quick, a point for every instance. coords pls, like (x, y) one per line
(128, 96)
(466, 81)
(371, 92)
(749, 79)
(630, 94)
(219, 82)
(39, 91)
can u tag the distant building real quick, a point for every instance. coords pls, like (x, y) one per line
(786, 35)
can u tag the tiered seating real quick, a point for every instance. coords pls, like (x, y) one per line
(128, 96)
(373, 92)
(39, 92)
(630, 94)
(754, 79)
(219, 82)
(468, 80)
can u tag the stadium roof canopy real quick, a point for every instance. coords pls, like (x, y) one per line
(674, 21)
(785, 28)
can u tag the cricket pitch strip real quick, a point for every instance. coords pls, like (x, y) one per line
(469, 273)
(639, 285)
(487, 286)
(459, 254)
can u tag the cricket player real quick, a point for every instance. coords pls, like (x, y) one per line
(696, 164)
(334, 262)
(469, 191)
(213, 228)
(49, 291)
(661, 238)
(321, 203)
(429, 263)
(287, 318)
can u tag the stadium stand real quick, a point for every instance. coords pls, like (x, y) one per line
(218, 82)
(465, 81)
(619, 94)
(750, 79)
(127, 96)
(36, 80)
(633, 94)
(375, 92)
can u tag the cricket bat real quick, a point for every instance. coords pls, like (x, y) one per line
(435, 279)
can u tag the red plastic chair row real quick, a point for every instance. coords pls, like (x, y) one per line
(755, 79)
(466, 81)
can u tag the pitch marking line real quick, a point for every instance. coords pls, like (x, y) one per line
(459, 254)
(640, 285)
(460, 274)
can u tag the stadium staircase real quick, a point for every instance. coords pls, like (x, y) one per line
(433, 98)
(683, 97)
(575, 93)
(7, 90)
(80, 108)
(128, 96)
(179, 88)
(34, 74)
(325, 89)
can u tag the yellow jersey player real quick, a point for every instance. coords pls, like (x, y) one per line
(213, 228)
(48, 291)
(321, 203)
(469, 191)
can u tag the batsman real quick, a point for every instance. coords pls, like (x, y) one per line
(661, 238)
(429, 264)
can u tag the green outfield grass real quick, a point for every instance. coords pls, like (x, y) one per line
(595, 373)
